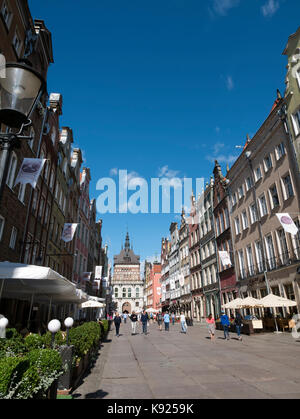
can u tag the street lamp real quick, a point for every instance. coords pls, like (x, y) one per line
(54, 327)
(20, 90)
(68, 323)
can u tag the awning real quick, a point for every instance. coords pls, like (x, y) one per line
(20, 281)
(92, 304)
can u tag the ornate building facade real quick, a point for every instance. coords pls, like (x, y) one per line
(128, 288)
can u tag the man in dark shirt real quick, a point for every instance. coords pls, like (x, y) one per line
(133, 319)
(117, 322)
(144, 321)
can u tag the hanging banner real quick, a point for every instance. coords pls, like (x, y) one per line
(86, 276)
(96, 284)
(158, 290)
(98, 272)
(287, 223)
(68, 232)
(172, 284)
(30, 171)
(163, 288)
(225, 258)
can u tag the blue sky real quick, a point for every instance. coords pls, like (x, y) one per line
(164, 87)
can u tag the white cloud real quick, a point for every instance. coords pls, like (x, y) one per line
(218, 147)
(221, 7)
(166, 172)
(270, 8)
(113, 171)
(229, 83)
(223, 158)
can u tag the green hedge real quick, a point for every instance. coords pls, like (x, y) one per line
(11, 372)
(84, 338)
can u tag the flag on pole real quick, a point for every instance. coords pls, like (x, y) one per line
(30, 171)
(287, 223)
(68, 232)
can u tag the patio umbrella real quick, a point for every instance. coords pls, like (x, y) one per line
(151, 310)
(233, 304)
(92, 304)
(274, 301)
(250, 302)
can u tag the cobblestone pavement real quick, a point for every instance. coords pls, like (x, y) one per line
(172, 365)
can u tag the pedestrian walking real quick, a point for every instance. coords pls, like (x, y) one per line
(151, 318)
(144, 321)
(134, 320)
(238, 322)
(125, 317)
(225, 323)
(211, 324)
(159, 320)
(183, 323)
(173, 318)
(117, 322)
(167, 321)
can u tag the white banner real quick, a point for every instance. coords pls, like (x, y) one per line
(30, 171)
(225, 258)
(287, 223)
(172, 284)
(98, 272)
(181, 280)
(68, 232)
(86, 276)
(158, 290)
(96, 284)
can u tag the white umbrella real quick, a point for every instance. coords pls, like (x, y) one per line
(233, 304)
(151, 310)
(272, 300)
(250, 302)
(92, 304)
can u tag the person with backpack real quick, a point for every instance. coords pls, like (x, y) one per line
(225, 323)
(159, 320)
(238, 322)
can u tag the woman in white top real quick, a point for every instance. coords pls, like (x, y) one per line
(183, 323)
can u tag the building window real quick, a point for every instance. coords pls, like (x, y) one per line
(253, 213)
(296, 122)
(234, 199)
(284, 251)
(274, 196)
(245, 220)
(6, 14)
(11, 171)
(129, 292)
(124, 292)
(268, 162)
(263, 205)
(116, 292)
(242, 264)
(137, 293)
(250, 260)
(2, 221)
(258, 174)
(21, 194)
(288, 191)
(271, 252)
(280, 151)
(237, 225)
(249, 183)
(241, 192)
(31, 134)
(13, 238)
(259, 256)
(17, 43)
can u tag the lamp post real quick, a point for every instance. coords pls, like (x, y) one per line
(54, 327)
(3, 325)
(20, 90)
(68, 323)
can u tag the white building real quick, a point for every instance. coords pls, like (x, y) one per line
(128, 288)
